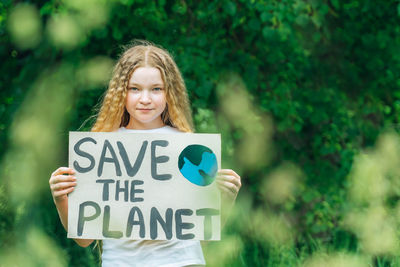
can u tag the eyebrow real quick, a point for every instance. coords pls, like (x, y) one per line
(155, 84)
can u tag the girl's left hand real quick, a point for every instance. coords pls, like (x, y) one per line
(229, 183)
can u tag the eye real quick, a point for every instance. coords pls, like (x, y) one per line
(157, 89)
(133, 89)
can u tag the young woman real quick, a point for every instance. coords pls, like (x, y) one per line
(146, 94)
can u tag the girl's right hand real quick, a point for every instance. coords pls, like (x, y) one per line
(62, 182)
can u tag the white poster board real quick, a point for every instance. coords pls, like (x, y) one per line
(144, 186)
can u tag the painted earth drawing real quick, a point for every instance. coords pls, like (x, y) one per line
(198, 164)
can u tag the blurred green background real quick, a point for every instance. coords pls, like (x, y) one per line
(305, 93)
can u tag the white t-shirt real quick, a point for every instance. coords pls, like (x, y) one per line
(149, 253)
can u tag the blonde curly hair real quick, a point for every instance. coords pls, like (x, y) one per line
(113, 113)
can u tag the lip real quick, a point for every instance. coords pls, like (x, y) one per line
(144, 110)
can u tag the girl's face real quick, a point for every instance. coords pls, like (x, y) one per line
(145, 100)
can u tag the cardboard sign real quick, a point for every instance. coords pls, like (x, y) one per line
(144, 186)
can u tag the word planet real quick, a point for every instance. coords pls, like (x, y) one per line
(198, 164)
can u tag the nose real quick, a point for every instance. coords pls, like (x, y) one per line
(145, 97)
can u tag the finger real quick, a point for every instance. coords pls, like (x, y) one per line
(62, 178)
(63, 192)
(63, 170)
(228, 172)
(60, 186)
(229, 178)
(230, 186)
(226, 192)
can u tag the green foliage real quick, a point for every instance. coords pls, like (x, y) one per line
(307, 82)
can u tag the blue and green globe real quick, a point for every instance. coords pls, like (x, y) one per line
(198, 164)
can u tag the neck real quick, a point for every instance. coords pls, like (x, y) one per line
(136, 125)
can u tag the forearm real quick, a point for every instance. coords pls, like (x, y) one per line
(62, 208)
(62, 182)
(229, 184)
(226, 209)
